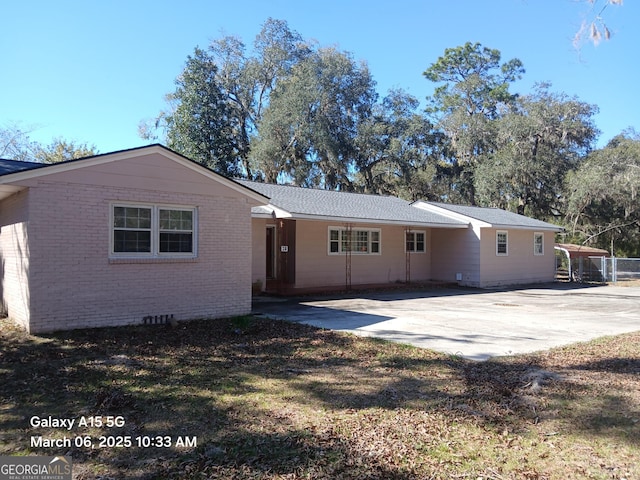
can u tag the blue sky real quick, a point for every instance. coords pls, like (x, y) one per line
(91, 70)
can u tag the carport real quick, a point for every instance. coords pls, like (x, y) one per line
(578, 264)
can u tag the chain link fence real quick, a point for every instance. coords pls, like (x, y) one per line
(597, 269)
(621, 269)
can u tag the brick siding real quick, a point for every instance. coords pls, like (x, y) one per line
(74, 283)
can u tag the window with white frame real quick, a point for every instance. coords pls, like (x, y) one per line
(360, 241)
(415, 242)
(538, 243)
(153, 230)
(502, 243)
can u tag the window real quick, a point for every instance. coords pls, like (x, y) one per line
(375, 241)
(538, 243)
(334, 241)
(502, 247)
(153, 230)
(131, 229)
(176, 231)
(358, 241)
(415, 242)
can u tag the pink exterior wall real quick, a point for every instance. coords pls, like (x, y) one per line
(14, 254)
(472, 253)
(315, 267)
(456, 251)
(520, 266)
(73, 281)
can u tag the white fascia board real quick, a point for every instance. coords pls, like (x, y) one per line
(196, 167)
(482, 224)
(528, 227)
(279, 212)
(369, 221)
(126, 154)
(80, 163)
(449, 214)
(252, 194)
(270, 216)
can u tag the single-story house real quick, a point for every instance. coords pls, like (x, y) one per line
(122, 237)
(313, 240)
(146, 233)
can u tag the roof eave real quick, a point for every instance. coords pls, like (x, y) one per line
(8, 190)
(268, 216)
(423, 205)
(23, 175)
(280, 213)
(537, 228)
(482, 223)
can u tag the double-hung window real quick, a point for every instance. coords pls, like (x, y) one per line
(131, 229)
(358, 241)
(415, 242)
(538, 243)
(153, 230)
(502, 243)
(175, 230)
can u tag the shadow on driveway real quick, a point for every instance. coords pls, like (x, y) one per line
(472, 323)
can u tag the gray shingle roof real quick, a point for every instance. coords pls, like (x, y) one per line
(13, 166)
(355, 207)
(496, 216)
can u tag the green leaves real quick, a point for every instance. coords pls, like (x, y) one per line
(476, 87)
(603, 206)
(200, 126)
(309, 128)
(538, 140)
(15, 144)
(474, 79)
(287, 110)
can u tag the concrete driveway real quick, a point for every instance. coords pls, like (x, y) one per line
(473, 323)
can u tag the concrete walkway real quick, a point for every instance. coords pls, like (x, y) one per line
(473, 323)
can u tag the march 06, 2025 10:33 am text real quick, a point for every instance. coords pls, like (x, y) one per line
(100, 441)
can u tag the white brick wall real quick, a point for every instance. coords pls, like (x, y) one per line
(74, 284)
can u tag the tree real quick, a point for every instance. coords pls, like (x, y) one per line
(309, 128)
(474, 86)
(397, 149)
(241, 83)
(603, 206)
(61, 150)
(248, 80)
(15, 144)
(284, 140)
(538, 140)
(200, 126)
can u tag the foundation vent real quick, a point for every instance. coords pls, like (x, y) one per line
(158, 320)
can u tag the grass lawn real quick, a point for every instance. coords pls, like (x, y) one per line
(272, 400)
